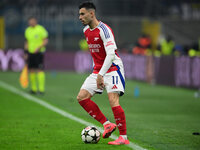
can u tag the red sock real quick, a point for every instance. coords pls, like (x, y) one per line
(120, 119)
(93, 110)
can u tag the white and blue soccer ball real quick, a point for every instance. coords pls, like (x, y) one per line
(90, 134)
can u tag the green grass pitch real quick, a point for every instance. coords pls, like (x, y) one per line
(161, 118)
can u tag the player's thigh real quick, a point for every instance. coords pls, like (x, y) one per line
(36, 61)
(40, 61)
(31, 61)
(90, 86)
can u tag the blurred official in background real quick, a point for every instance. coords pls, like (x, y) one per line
(36, 40)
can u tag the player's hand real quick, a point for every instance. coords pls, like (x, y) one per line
(25, 57)
(36, 50)
(100, 82)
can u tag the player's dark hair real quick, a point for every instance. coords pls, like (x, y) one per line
(32, 17)
(87, 5)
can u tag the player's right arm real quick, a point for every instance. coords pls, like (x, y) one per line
(25, 51)
(26, 46)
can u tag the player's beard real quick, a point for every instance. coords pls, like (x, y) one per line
(83, 23)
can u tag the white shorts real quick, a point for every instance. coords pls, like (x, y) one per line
(114, 83)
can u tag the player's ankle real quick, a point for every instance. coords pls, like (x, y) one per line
(105, 123)
(124, 137)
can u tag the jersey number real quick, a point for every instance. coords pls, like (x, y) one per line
(115, 79)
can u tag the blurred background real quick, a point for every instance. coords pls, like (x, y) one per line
(178, 19)
(160, 39)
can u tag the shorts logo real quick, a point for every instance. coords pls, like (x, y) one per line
(114, 87)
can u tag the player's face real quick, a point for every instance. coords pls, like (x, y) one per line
(85, 16)
(32, 22)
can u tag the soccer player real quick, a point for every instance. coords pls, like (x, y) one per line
(36, 40)
(107, 73)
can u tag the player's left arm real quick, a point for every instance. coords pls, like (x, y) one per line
(110, 47)
(44, 34)
(44, 43)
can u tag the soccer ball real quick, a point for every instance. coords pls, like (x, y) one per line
(90, 134)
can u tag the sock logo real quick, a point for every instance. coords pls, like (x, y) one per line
(119, 125)
(114, 87)
(90, 112)
(117, 119)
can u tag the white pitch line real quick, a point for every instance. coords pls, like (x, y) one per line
(61, 112)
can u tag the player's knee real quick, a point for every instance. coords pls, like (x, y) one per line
(113, 99)
(79, 98)
(114, 103)
(82, 95)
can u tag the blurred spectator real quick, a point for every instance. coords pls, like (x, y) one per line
(143, 48)
(83, 45)
(178, 50)
(137, 50)
(194, 50)
(143, 43)
(167, 46)
(157, 52)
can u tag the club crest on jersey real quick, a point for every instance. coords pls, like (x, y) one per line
(96, 38)
(36, 36)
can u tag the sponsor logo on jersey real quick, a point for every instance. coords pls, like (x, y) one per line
(94, 50)
(94, 46)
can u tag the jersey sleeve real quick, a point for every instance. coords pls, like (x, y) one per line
(85, 28)
(26, 34)
(44, 32)
(108, 39)
(110, 47)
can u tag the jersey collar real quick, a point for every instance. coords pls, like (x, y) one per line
(96, 26)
